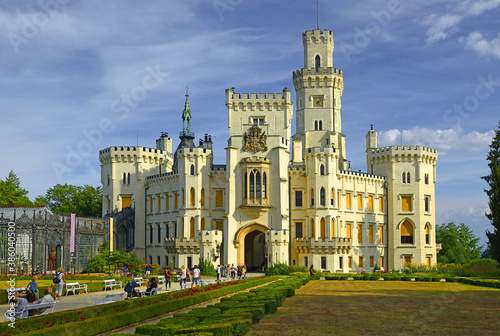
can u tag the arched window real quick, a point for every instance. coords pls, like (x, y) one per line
(252, 185)
(320, 125)
(317, 63)
(315, 125)
(406, 233)
(124, 178)
(313, 229)
(332, 228)
(192, 169)
(408, 177)
(322, 169)
(108, 179)
(322, 197)
(264, 186)
(202, 224)
(404, 178)
(427, 235)
(191, 197)
(312, 197)
(202, 197)
(257, 185)
(323, 229)
(128, 178)
(191, 228)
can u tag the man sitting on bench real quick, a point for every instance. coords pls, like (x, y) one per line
(47, 298)
(22, 302)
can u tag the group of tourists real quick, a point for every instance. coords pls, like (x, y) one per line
(232, 271)
(186, 276)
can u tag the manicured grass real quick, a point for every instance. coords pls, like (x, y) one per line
(385, 308)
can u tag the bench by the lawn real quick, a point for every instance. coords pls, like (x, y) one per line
(111, 283)
(161, 279)
(9, 315)
(154, 291)
(107, 299)
(74, 286)
(140, 281)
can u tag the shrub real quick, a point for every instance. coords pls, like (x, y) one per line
(207, 268)
(278, 269)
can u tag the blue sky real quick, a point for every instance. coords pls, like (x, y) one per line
(78, 76)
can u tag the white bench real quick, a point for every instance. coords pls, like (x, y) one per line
(111, 283)
(11, 316)
(107, 299)
(74, 286)
(140, 281)
(161, 279)
(154, 291)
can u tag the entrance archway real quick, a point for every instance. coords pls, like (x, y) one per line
(249, 242)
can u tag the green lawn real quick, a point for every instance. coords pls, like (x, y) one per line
(385, 308)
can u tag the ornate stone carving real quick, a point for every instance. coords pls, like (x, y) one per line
(255, 140)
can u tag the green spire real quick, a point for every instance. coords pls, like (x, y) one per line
(186, 116)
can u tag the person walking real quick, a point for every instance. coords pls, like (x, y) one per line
(59, 281)
(311, 271)
(183, 276)
(196, 276)
(218, 272)
(168, 280)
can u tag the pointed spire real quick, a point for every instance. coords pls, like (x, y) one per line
(186, 116)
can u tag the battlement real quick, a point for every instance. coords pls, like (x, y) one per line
(120, 150)
(158, 176)
(328, 149)
(315, 35)
(403, 150)
(258, 98)
(218, 167)
(322, 71)
(361, 174)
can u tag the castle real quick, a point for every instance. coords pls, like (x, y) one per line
(280, 198)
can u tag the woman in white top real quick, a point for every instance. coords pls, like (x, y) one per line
(183, 276)
(62, 280)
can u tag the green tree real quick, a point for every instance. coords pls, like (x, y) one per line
(459, 244)
(66, 198)
(493, 180)
(11, 193)
(99, 264)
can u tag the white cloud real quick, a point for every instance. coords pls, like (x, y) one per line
(442, 26)
(447, 140)
(475, 41)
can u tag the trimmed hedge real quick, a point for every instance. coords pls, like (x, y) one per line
(96, 319)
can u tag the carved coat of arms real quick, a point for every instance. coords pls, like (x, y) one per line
(255, 140)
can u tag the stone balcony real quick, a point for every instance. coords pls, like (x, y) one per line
(182, 246)
(323, 246)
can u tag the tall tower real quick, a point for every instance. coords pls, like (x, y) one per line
(186, 135)
(319, 89)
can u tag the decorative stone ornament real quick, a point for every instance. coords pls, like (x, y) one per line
(255, 140)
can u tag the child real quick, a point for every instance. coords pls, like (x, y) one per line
(33, 286)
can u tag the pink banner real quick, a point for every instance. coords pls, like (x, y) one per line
(72, 240)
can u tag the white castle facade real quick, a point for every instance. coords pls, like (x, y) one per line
(280, 198)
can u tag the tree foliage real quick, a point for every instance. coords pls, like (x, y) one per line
(459, 244)
(11, 193)
(207, 268)
(493, 180)
(99, 264)
(66, 198)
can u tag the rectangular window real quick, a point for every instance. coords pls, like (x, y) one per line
(426, 178)
(219, 225)
(150, 204)
(407, 261)
(361, 261)
(372, 261)
(381, 234)
(360, 202)
(261, 121)
(150, 259)
(370, 234)
(428, 261)
(338, 199)
(332, 194)
(406, 203)
(298, 198)
(312, 197)
(159, 234)
(167, 200)
(360, 234)
(159, 203)
(323, 262)
(151, 235)
(167, 233)
(348, 200)
(427, 204)
(299, 227)
(341, 262)
(176, 201)
(306, 262)
(381, 204)
(158, 260)
(349, 262)
(370, 203)
(126, 202)
(382, 261)
(189, 262)
(219, 202)
(348, 231)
